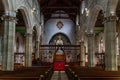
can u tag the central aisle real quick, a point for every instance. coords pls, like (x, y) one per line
(59, 75)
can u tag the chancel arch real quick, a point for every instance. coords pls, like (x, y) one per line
(52, 27)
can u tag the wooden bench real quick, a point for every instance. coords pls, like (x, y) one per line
(0, 67)
(86, 73)
(28, 73)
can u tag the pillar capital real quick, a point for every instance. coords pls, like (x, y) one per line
(89, 34)
(110, 18)
(81, 41)
(8, 18)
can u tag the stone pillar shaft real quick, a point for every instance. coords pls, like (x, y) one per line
(82, 54)
(0, 50)
(28, 50)
(118, 26)
(8, 43)
(91, 51)
(110, 47)
(37, 55)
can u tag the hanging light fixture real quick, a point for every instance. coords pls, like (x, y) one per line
(60, 23)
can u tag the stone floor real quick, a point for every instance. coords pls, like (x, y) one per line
(59, 75)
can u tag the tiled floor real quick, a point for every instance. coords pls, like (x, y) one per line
(59, 75)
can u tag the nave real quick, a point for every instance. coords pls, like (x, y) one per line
(59, 75)
(40, 37)
(71, 73)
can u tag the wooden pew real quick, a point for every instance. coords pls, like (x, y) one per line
(28, 73)
(0, 67)
(86, 73)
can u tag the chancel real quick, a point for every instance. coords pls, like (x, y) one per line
(59, 40)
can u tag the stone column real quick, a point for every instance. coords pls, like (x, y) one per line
(91, 51)
(77, 39)
(28, 50)
(118, 29)
(37, 54)
(78, 52)
(8, 43)
(82, 54)
(0, 50)
(110, 47)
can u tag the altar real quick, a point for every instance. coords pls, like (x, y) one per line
(59, 61)
(59, 57)
(59, 66)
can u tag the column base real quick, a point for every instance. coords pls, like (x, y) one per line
(82, 63)
(111, 69)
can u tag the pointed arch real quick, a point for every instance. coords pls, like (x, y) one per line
(6, 5)
(26, 18)
(94, 14)
(53, 37)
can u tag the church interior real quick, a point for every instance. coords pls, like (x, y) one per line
(59, 39)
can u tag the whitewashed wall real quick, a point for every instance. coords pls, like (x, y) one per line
(51, 29)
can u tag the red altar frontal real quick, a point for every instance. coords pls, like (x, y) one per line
(59, 64)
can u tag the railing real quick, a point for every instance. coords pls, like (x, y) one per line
(64, 47)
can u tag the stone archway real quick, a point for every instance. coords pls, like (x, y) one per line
(91, 34)
(10, 20)
(93, 18)
(27, 35)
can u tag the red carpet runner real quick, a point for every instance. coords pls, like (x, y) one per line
(59, 66)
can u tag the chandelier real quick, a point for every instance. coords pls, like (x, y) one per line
(59, 24)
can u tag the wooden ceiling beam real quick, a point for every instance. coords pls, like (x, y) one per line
(68, 2)
(70, 13)
(76, 2)
(61, 17)
(60, 13)
(62, 7)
